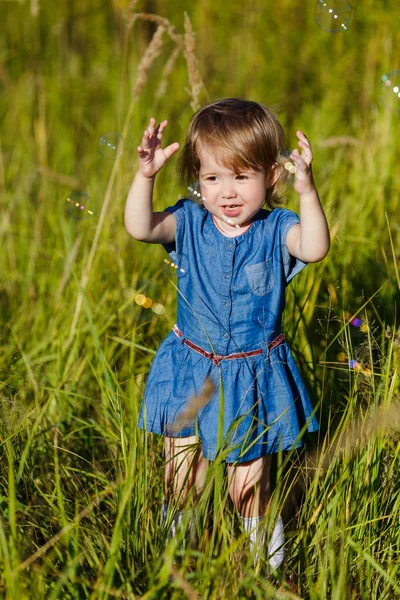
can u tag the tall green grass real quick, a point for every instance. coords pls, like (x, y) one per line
(80, 485)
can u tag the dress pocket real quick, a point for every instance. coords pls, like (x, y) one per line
(261, 277)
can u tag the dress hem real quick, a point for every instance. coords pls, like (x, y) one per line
(283, 443)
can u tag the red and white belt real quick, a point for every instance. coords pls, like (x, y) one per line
(216, 358)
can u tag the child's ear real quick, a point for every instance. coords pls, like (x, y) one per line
(273, 175)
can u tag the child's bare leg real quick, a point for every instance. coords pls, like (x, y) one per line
(185, 467)
(249, 485)
(249, 488)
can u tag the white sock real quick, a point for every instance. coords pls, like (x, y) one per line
(252, 528)
(276, 548)
(256, 532)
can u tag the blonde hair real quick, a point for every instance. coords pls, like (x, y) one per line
(244, 134)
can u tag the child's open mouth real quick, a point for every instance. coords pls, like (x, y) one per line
(233, 210)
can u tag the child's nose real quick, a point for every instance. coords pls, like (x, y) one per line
(228, 190)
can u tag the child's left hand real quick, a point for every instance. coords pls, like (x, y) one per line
(303, 181)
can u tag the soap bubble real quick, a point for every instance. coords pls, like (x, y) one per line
(158, 308)
(391, 90)
(146, 302)
(111, 145)
(170, 268)
(285, 160)
(180, 267)
(195, 194)
(333, 16)
(129, 294)
(140, 299)
(79, 206)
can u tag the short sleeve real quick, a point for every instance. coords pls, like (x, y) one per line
(291, 265)
(179, 211)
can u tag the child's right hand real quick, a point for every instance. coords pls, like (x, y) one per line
(151, 156)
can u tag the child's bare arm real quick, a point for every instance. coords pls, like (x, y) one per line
(140, 221)
(308, 241)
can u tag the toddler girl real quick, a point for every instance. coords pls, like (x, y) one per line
(234, 261)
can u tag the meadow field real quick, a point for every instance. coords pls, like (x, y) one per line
(81, 486)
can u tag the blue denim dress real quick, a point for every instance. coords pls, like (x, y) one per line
(231, 298)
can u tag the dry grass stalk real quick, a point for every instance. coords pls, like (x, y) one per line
(130, 11)
(196, 83)
(186, 43)
(193, 406)
(184, 585)
(66, 180)
(35, 8)
(88, 267)
(153, 50)
(68, 265)
(341, 140)
(176, 37)
(396, 337)
(385, 421)
(334, 230)
(167, 70)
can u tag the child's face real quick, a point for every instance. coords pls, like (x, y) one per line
(223, 189)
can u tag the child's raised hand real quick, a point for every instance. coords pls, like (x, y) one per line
(303, 181)
(151, 156)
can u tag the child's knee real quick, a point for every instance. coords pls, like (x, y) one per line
(249, 485)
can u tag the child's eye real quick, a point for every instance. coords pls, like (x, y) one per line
(242, 177)
(211, 178)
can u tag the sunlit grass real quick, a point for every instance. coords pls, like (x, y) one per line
(81, 486)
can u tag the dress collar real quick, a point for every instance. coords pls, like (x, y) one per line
(260, 216)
